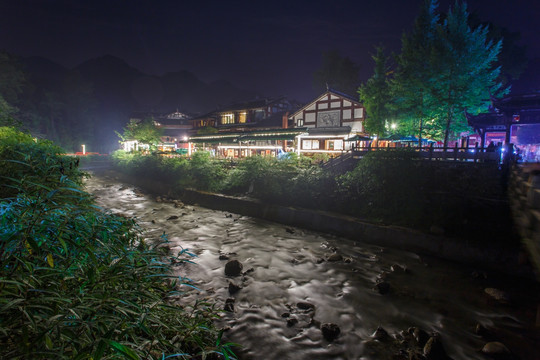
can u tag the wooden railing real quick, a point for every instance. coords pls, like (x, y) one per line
(473, 154)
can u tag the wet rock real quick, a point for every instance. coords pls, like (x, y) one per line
(481, 330)
(223, 257)
(285, 314)
(434, 350)
(234, 288)
(291, 322)
(396, 268)
(289, 230)
(319, 261)
(250, 270)
(228, 215)
(498, 295)
(380, 334)
(497, 350)
(330, 331)
(420, 336)
(229, 305)
(172, 217)
(335, 257)
(233, 268)
(153, 221)
(158, 199)
(303, 305)
(383, 287)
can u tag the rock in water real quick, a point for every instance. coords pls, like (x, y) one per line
(233, 268)
(433, 350)
(302, 305)
(330, 331)
(335, 257)
(172, 217)
(383, 287)
(498, 295)
(380, 334)
(233, 288)
(496, 349)
(229, 305)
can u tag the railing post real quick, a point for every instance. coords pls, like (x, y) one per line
(431, 151)
(455, 152)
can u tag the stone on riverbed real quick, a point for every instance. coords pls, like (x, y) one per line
(335, 257)
(234, 288)
(172, 217)
(233, 268)
(330, 331)
(229, 305)
(383, 287)
(498, 295)
(497, 350)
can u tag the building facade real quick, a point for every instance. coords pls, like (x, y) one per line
(333, 123)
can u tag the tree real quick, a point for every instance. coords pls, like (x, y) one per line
(410, 85)
(337, 72)
(464, 77)
(375, 95)
(144, 132)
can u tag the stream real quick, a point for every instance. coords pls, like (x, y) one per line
(294, 280)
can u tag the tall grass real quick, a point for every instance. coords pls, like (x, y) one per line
(77, 282)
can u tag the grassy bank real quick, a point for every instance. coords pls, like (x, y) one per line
(80, 283)
(464, 200)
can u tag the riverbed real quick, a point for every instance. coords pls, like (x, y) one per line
(294, 281)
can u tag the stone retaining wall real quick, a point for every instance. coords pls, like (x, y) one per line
(496, 258)
(524, 195)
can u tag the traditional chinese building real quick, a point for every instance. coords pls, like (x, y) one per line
(334, 122)
(259, 127)
(512, 119)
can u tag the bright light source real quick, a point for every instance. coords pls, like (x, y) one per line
(393, 126)
(185, 138)
(84, 149)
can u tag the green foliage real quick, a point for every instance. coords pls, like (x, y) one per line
(444, 69)
(79, 283)
(386, 185)
(411, 82)
(145, 132)
(375, 96)
(26, 163)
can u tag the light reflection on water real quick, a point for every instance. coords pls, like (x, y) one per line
(288, 268)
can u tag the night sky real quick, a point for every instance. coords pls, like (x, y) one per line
(271, 47)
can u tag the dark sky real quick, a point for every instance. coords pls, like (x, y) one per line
(272, 46)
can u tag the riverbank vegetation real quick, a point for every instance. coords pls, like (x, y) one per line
(464, 200)
(77, 282)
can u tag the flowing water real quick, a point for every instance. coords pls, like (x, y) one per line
(285, 266)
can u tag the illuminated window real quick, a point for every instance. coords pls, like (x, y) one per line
(335, 144)
(300, 122)
(310, 144)
(242, 117)
(227, 119)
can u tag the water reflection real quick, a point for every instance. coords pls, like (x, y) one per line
(286, 266)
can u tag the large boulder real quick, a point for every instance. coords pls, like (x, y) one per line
(233, 268)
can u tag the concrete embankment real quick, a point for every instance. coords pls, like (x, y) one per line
(500, 258)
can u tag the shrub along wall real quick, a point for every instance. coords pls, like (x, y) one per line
(464, 200)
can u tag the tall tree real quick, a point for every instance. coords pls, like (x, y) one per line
(464, 76)
(375, 95)
(410, 85)
(144, 131)
(337, 72)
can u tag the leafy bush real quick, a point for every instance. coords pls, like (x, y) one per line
(79, 283)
